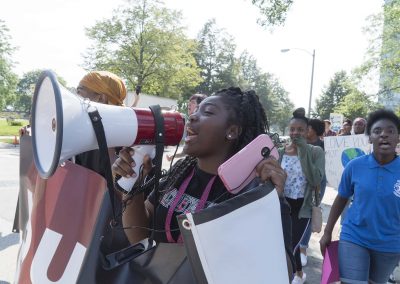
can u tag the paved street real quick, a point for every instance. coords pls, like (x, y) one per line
(9, 184)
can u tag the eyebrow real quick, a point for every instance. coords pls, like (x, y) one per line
(209, 104)
(388, 126)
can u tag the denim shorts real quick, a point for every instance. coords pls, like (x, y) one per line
(358, 264)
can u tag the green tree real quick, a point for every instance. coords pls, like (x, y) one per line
(274, 98)
(283, 114)
(215, 57)
(8, 79)
(249, 74)
(145, 44)
(383, 53)
(26, 84)
(268, 90)
(356, 104)
(339, 86)
(397, 111)
(272, 12)
(25, 90)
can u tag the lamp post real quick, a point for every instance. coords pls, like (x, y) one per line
(312, 72)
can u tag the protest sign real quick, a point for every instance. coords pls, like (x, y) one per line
(339, 150)
(336, 121)
(56, 218)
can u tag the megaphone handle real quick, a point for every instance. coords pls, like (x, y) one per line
(140, 151)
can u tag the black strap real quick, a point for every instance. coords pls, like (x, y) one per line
(316, 196)
(95, 118)
(159, 141)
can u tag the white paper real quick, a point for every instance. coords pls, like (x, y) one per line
(244, 246)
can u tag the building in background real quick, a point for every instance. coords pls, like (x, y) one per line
(148, 100)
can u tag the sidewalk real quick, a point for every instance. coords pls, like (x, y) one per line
(8, 145)
(314, 263)
(9, 241)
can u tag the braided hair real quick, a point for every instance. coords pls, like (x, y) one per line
(246, 111)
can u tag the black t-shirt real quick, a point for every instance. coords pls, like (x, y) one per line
(188, 202)
(91, 160)
(319, 143)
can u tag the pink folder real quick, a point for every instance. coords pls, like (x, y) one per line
(330, 265)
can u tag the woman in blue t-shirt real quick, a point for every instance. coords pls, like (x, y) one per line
(369, 246)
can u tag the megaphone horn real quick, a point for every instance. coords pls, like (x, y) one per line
(61, 127)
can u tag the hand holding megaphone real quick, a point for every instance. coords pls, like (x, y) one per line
(129, 163)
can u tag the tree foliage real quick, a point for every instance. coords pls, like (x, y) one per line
(145, 44)
(279, 107)
(274, 98)
(272, 12)
(356, 104)
(383, 53)
(25, 90)
(397, 111)
(8, 79)
(215, 57)
(342, 96)
(339, 87)
(221, 69)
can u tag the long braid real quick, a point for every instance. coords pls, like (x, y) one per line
(179, 172)
(247, 112)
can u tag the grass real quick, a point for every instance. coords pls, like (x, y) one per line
(7, 140)
(7, 130)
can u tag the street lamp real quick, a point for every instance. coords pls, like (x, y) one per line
(312, 71)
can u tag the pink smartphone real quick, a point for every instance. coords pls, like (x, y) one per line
(239, 170)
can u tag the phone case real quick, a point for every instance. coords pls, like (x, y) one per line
(239, 170)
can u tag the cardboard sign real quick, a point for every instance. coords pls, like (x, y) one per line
(336, 121)
(57, 218)
(339, 150)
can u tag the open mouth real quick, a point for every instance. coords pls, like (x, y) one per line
(190, 135)
(384, 144)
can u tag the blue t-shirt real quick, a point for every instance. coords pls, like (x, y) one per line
(373, 219)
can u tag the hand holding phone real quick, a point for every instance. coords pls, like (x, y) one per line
(239, 170)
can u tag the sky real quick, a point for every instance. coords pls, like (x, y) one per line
(50, 34)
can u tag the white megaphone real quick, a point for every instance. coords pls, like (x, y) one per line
(61, 127)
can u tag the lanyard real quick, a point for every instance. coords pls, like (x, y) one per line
(181, 191)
